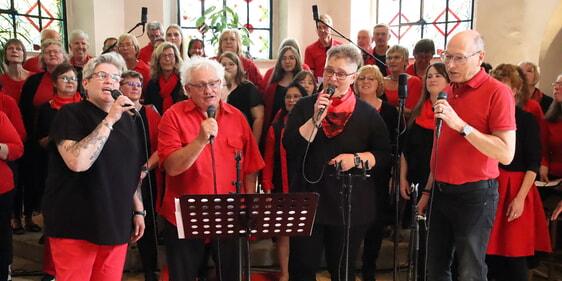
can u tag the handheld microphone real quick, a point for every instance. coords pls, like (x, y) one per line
(116, 93)
(211, 113)
(439, 121)
(330, 90)
(402, 89)
(315, 13)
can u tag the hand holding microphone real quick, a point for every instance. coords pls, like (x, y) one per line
(122, 103)
(209, 126)
(323, 102)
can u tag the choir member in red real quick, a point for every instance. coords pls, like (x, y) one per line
(16, 75)
(397, 61)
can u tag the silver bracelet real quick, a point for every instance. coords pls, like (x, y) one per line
(107, 124)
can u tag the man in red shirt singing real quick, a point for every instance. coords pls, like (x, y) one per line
(478, 132)
(186, 152)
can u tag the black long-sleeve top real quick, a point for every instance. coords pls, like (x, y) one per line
(527, 144)
(364, 132)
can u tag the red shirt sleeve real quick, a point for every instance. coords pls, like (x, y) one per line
(267, 174)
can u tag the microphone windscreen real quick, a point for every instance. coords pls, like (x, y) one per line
(211, 111)
(315, 12)
(331, 90)
(144, 12)
(442, 96)
(115, 94)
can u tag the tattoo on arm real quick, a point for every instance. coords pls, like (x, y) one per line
(94, 139)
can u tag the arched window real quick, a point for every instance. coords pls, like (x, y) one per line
(255, 15)
(412, 20)
(24, 19)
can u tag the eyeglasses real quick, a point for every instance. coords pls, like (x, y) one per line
(131, 84)
(389, 58)
(213, 84)
(559, 84)
(52, 52)
(339, 75)
(170, 56)
(456, 59)
(67, 79)
(296, 97)
(102, 75)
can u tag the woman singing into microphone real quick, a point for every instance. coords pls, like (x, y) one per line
(318, 142)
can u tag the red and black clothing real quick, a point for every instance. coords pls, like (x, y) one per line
(159, 94)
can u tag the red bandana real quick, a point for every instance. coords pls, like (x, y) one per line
(338, 114)
(425, 119)
(166, 88)
(57, 102)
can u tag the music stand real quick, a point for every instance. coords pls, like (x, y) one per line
(247, 215)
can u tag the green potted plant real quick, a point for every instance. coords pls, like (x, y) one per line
(214, 21)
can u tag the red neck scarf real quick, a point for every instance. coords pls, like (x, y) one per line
(338, 114)
(57, 102)
(166, 88)
(425, 119)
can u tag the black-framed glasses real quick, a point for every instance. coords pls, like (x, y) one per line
(213, 84)
(339, 75)
(67, 79)
(456, 59)
(102, 75)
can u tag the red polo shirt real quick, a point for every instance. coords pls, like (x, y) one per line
(179, 126)
(315, 56)
(145, 55)
(9, 137)
(485, 104)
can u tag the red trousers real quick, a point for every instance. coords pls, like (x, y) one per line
(82, 260)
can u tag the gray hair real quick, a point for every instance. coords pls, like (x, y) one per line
(348, 52)
(198, 63)
(78, 33)
(111, 58)
(154, 25)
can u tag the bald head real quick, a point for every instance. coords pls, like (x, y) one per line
(464, 55)
(364, 39)
(50, 34)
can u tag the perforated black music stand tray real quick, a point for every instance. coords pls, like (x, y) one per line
(248, 215)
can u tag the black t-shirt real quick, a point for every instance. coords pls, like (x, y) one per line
(416, 145)
(244, 97)
(95, 205)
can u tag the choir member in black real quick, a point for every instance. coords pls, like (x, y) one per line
(369, 87)
(417, 144)
(338, 136)
(147, 126)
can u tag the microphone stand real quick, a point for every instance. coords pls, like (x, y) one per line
(350, 41)
(396, 186)
(347, 186)
(243, 242)
(414, 236)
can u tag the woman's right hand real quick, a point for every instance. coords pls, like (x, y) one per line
(405, 189)
(422, 204)
(322, 101)
(543, 172)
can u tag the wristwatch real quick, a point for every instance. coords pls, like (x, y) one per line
(466, 130)
(140, 213)
(356, 160)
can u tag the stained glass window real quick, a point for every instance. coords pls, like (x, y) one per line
(412, 20)
(255, 15)
(24, 19)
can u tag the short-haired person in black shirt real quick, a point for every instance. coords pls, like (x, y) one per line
(91, 200)
(351, 132)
